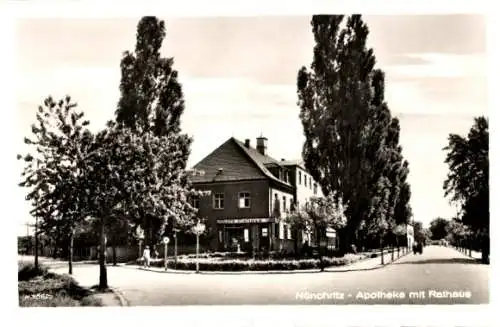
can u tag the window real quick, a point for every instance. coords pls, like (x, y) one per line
(281, 231)
(310, 182)
(291, 204)
(300, 177)
(220, 236)
(264, 232)
(244, 200)
(245, 233)
(276, 209)
(315, 188)
(218, 201)
(284, 203)
(305, 180)
(195, 202)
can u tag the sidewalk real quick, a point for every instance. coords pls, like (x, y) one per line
(473, 254)
(365, 264)
(369, 264)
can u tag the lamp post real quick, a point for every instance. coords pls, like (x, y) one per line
(166, 240)
(198, 229)
(140, 236)
(175, 248)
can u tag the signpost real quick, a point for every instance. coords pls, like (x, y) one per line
(165, 241)
(198, 229)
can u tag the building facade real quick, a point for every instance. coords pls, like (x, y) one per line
(410, 237)
(251, 195)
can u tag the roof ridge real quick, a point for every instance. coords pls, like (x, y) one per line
(261, 166)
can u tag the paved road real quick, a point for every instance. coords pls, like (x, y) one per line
(439, 269)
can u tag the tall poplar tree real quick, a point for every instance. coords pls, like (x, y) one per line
(152, 101)
(352, 142)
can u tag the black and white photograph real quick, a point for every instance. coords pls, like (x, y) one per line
(316, 159)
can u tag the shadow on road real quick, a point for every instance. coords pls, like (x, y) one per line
(442, 261)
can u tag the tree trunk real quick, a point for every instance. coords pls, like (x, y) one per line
(70, 260)
(175, 250)
(296, 245)
(397, 244)
(103, 276)
(36, 243)
(114, 254)
(318, 236)
(381, 249)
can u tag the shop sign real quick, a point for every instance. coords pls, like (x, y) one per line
(246, 221)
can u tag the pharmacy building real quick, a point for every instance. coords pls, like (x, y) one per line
(251, 195)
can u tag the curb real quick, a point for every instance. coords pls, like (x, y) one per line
(121, 298)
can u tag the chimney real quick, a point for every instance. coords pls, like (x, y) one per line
(247, 143)
(262, 145)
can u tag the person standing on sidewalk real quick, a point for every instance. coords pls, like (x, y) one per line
(146, 255)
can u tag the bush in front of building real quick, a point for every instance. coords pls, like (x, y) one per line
(229, 264)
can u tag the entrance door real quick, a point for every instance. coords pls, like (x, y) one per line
(233, 236)
(264, 237)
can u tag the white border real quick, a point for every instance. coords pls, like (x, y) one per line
(247, 315)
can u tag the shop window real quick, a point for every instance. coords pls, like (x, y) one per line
(264, 232)
(245, 234)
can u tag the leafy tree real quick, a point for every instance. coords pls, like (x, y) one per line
(419, 233)
(319, 214)
(455, 232)
(438, 228)
(467, 183)
(133, 174)
(399, 231)
(152, 101)
(52, 172)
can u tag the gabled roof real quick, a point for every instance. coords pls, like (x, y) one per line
(252, 167)
(297, 162)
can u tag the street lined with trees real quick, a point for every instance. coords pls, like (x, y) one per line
(128, 181)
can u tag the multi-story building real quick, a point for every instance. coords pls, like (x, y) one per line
(250, 195)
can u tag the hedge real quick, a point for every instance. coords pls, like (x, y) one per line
(217, 264)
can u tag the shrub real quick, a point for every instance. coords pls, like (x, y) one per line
(215, 264)
(27, 271)
(53, 301)
(40, 288)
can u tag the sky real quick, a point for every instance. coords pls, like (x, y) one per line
(239, 79)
